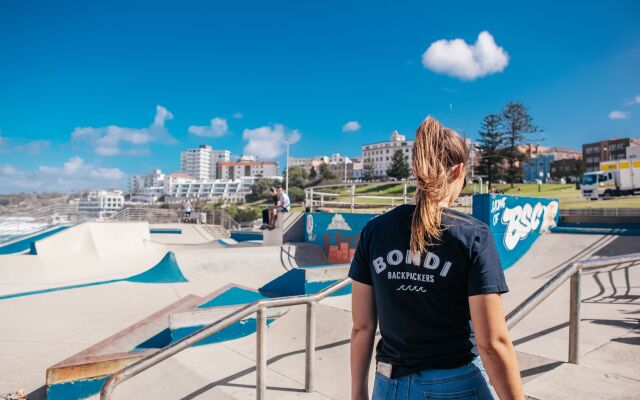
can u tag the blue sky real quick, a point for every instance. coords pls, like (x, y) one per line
(93, 91)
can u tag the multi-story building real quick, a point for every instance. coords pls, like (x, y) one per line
(247, 166)
(569, 169)
(541, 166)
(217, 157)
(379, 154)
(138, 183)
(308, 163)
(101, 203)
(197, 162)
(231, 191)
(606, 150)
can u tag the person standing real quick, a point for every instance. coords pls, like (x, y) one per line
(266, 211)
(422, 272)
(282, 205)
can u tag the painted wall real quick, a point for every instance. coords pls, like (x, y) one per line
(338, 234)
(516, 222)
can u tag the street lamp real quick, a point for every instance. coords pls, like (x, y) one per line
(286, 182)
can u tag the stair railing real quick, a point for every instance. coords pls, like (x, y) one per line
(571, 271)
(260, 308)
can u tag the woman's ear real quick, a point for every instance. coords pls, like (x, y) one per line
(458, 171)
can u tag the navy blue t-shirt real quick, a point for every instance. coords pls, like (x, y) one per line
(422, 300)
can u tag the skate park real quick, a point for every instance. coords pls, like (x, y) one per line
(86, 301)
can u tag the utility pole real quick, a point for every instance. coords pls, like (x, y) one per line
(286, 183)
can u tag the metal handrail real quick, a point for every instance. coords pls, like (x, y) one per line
(259, 307)
(571, 271)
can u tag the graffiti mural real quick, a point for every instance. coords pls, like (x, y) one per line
(338, 234)
(515, 222)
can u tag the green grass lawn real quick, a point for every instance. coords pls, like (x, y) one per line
(567, 194)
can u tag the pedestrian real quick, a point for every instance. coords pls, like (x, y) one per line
(265, 213)
(422, 272)
(282, 206)
(186, 205)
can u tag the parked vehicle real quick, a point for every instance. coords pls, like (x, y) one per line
(615, 178)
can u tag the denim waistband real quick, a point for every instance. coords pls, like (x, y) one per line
(442, 375)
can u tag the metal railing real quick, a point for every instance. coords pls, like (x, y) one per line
(604, 212)
(571, 271)
(27, 221)
(259, 307)
(316, 197)
(217, 216)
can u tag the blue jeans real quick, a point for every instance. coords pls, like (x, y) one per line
(469, 382)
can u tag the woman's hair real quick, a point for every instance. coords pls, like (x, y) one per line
(435, 151)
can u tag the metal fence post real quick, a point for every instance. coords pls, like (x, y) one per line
(261, 355)
(404, 193)
(574, 318)
(353, 197)
(310, 351)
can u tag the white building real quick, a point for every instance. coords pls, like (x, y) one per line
(247, 166)
(308, 162)
(379, 154)
(101, 203)
(138, 183)
(197, 162)
(231, 191)
(217, 157)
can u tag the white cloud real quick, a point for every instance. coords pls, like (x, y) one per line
(32, 147)
(114, 140)
(633, 101)
(74, 174)
(237, 115)
(351, 126)
(466, 61)
(217, 128)
(615, 114)
(268, 142)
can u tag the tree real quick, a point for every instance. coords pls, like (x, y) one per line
(518, 124)
(312, 172)
(325, 172)
(367, 170)
(399, 167)
(296, 194)
(491, 139)
(260, 189)
(297, 176)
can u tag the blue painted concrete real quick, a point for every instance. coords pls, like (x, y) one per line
(24, 245)
(291, 283)
(515, 222)
(76, 390)
(233, 296)
(314, 287)
(167, 336)
(166, 271)
(157, 231)
(243, 236)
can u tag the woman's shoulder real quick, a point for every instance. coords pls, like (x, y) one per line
(456, 219)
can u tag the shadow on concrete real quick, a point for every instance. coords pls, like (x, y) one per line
(540, 369)
(38, 394)
(227, 381)
(635, 341)
(620, 246)
(540, 333)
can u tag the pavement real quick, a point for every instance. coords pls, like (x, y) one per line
(39, 331)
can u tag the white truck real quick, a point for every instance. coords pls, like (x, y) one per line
(615, 178)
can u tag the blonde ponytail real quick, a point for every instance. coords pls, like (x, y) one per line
(435, 151)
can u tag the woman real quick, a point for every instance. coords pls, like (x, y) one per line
(422, 272)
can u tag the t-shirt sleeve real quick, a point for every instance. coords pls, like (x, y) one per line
(360, 270)
(485, 272)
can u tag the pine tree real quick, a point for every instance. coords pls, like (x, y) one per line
(325, 172)
(489, 143)
(367, 170)
(399, 167)
(312, 172)
(518, 124)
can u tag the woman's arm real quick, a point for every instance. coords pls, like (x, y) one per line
(495, 347)
(362, 336)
